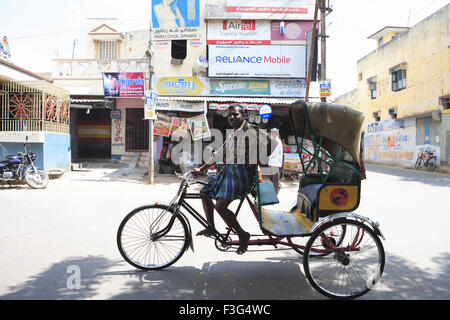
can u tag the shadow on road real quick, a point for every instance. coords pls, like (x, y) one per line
(432, 178)
(230, 280)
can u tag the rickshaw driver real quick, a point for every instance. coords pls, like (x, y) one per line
(234, 181)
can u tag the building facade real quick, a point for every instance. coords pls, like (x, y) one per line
(102, 125)
(403, 89)
(221, 52)
(33, 109)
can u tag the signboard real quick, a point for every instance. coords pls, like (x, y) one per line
(293, 31)
(239, 87)
(257, 61)
(123, 84)
(118, 126)
(325, 88)
(278, 6)
(175, 20)
(265, 111)
(287, 88)
(185, 106)
(199, 127)
(149, 106)
(292, 162)
(254, 32)
(183, 86)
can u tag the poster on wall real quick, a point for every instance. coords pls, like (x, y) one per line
(123, 84)
(254, 32)
(257, 61)
(175, 19)
(163, 125)
(179, 127)
(199, 127)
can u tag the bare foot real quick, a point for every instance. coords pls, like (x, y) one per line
(243, 243)
(205, 232)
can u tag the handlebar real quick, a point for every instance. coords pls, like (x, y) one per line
(188, 177)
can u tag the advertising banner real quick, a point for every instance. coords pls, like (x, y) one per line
(123, 84)
(199, 127)
(287, 88)
(175, 19)
(163, 125)
(179, 127)
(149, 105)
(253, 32)
(257, 61)
(184, 86)
(239, 87)
(278, 6)
(293, 31)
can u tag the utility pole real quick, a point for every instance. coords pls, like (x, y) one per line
(151, 155)
(325, 9)
(313, 48)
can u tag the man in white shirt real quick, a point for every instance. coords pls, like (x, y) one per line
(276, 160)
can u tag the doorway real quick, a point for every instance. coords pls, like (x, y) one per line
(136, 130)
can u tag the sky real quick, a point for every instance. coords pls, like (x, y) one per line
(39, 31)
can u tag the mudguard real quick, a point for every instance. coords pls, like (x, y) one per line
(349, 215)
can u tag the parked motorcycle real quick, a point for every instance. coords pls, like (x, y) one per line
(20, 166)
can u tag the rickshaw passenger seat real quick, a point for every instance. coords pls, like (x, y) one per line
(307, 197)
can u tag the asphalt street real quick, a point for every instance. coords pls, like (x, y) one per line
(48, 236)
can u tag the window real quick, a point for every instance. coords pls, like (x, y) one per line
(380, 42)
(376, 116)
(398, 80)
(373, 89)
(179, 49)
(107, 50)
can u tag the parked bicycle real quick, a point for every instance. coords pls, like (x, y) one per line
(427, 160)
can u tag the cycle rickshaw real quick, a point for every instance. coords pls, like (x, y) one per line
(343, 257)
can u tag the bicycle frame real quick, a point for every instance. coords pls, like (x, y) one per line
(223, 239)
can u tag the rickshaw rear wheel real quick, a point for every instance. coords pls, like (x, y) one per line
(349, 269)
(302, 241)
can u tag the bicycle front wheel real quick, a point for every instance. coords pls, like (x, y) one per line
(349, 269)
(432, 164)
(418, 163)
(152, 237)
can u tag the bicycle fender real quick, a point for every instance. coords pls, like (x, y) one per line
(190, 241)
(349, 215)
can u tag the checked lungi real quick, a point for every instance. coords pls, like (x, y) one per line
(234, 181)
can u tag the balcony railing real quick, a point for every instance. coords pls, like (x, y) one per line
(90, 68)
(33, 106)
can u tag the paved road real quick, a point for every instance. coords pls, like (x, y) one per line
(48, 236)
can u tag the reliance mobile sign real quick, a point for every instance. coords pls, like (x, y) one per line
(257, 61)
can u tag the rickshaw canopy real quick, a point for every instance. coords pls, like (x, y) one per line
(338, 125)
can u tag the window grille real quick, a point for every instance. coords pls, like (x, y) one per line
(107, 50)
